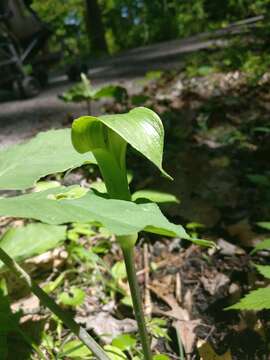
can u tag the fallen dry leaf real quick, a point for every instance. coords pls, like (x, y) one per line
(243, 231)
(29, 305)
(186, 331)
(106, 326)
(52, 259)
(208, 353)
(214, 284)
(229, 249)
(184, 326)
(188, 301)
(176, 312)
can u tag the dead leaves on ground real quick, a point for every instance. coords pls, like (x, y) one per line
(208, 353)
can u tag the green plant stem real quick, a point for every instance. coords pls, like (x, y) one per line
(52, 305)
(88, 104)
(128, 252)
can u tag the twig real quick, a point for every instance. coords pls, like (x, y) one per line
(178, 288)
(147, 295)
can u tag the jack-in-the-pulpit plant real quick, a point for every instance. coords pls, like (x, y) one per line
(102, 140)
(107, 138)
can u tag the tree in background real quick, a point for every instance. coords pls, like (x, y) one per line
(66, 19)
(115, 25)
(95, 27)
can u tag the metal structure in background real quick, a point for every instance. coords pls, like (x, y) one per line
(23, 42)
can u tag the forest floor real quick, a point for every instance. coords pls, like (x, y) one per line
(217, 150)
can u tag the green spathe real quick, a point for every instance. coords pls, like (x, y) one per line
(141, 128)
(109, 149)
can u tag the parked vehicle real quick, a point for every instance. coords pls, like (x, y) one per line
(24, 55)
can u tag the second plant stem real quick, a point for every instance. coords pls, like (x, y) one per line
(128, 253)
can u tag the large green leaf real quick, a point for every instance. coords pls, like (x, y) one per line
(141, 128)
(56, 206)
(33, 239)
(49, 152)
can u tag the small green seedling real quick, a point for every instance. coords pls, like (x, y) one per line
(102, 140)
(85, 92)
(193, 228)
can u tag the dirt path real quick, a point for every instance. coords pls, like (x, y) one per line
(22, 119)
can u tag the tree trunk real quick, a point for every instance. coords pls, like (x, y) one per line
(95, 26)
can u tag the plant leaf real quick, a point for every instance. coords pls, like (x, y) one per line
(124, 342)
(264, 270)
(264, 224)
(118, 216)
(31, 240)
(262, 245)
(75, 297)
(256, 300)
(114, 353)
(154, 196)
(81, 91)
(47, 153)
(119, 271)
(141, 128)
(161, 357)
(76, 349)
(117, 92)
